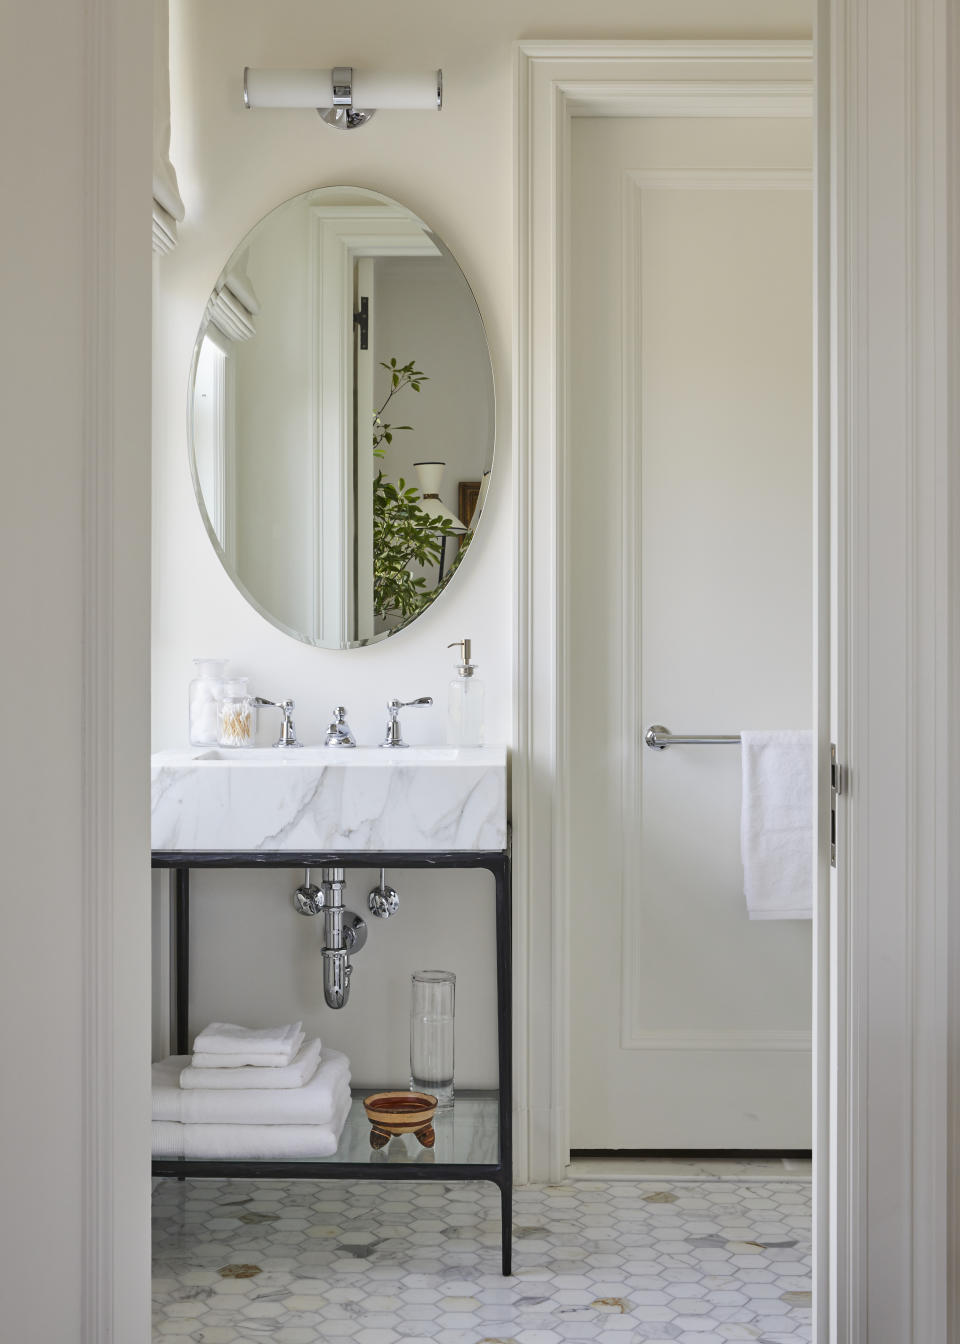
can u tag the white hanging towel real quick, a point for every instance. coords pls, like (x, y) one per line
(776, 824)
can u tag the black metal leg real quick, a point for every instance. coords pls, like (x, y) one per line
(181, 956)
(505, 1055)
(506, 1225)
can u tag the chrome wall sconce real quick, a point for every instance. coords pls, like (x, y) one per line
(342, 97)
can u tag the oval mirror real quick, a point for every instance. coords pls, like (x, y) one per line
(341, 417)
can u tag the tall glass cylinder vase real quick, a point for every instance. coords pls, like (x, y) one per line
(431, 1034)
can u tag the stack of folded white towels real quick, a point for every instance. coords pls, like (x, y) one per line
(250, 1094)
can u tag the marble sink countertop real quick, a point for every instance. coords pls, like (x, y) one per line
(325, 798)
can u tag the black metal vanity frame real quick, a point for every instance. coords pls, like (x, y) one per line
(495, 862)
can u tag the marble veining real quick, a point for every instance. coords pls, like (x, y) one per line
(364, 800)
(300, 1262)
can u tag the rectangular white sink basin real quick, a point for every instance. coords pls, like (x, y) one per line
(328, 798)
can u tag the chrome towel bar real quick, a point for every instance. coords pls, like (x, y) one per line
(659, 738)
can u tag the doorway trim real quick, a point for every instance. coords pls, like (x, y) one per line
(113, 308)
(556, 81)
(888, 416)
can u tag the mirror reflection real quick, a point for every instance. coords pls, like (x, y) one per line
(341, 416)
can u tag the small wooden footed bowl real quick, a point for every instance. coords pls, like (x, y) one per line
(393, 1113)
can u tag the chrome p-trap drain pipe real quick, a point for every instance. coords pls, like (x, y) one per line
(343, 931)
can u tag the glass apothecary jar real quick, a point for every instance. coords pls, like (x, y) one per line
(205, 691)
(235, 715)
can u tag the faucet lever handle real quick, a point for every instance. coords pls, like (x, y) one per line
(394, 737)
(288, 732)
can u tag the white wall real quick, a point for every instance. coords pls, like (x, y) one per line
(453, 169)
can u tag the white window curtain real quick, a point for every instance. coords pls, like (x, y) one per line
(167, 205)
(234, 304)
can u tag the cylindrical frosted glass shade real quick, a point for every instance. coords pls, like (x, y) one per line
(314, 88)
(431, 1033)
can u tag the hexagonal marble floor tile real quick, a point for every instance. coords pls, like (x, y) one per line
(641, 1261)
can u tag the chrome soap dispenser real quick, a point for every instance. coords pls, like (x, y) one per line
(465, 701)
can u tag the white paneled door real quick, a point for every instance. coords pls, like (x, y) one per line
(689, 500)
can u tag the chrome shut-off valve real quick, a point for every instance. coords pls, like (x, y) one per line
(344, 931)
(383, 900)
(307, 899)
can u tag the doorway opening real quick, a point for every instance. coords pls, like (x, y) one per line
(616, 614)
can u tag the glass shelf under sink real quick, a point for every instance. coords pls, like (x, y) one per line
(466, 1135)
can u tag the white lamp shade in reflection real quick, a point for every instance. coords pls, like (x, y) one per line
(430, 474)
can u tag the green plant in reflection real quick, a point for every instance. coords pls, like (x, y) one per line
(404, 534)
(401, 376)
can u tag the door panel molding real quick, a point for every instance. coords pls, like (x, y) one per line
(633, 1036)
(732, 179)
(732, 1039)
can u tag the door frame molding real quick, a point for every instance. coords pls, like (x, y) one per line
(887, 214)
(888, 102)
(113, 306)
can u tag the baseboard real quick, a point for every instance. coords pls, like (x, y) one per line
(692, 1154)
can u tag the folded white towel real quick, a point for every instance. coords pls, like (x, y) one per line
(251, 1143)
(224, 1038)
(313, 1104)
(776, 824)
(277, 1060)
(296, 1074)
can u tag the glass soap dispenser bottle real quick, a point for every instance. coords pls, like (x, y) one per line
(465, 701)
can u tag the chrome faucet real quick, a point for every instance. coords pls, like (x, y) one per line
(288, 732)
(339, 734)
(394, 735)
